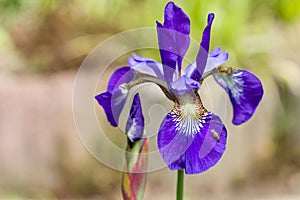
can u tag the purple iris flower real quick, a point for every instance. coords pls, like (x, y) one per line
(190, 137)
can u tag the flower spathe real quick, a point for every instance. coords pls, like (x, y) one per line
(134, 176)
(190, 137)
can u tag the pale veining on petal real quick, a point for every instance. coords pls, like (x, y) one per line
(233, 82)
(189, 114)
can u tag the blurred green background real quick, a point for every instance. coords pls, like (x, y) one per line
(43, 43)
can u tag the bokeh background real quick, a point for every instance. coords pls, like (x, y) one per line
(43, 43)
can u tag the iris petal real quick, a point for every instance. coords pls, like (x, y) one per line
(215, 58)
(206, 33)
(113, 103)
(191, 144)
(146, 66)
(120, 76)
(245, 92)
(113, 100)
(184, 85)
(173, 39)
(203, 50)
(135, 122)
(122, 80)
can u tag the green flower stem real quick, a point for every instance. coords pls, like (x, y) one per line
(180, 178)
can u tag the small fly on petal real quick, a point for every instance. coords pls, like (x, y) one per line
(215, 135)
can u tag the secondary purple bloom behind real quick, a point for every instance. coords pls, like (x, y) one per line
(190, 137)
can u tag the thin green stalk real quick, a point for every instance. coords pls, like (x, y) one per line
(180, 178)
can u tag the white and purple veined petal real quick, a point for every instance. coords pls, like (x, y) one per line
(215, 58)
(146, 66)
(192, 144)
(113, 100)
(135, 122)
(173, 39)
(245, 92)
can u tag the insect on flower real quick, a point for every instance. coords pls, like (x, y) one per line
(190, 137)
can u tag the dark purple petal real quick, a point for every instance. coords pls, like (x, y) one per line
(176, 19)
(113, 100)
(191, 144)
(203, 50)
(146, 66)
(120, 76)
(113, 103)
(104, 99)
(135, 122)
(206, 33)
(173, 39)
(215, 58)
(184, 85)
(190, 70)
(245, 91)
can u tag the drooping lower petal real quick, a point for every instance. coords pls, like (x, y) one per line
(135, 122)
(114, 98)
(245, 92)
(191, 143)
(121, 81)
(113, 103)
(120, 76)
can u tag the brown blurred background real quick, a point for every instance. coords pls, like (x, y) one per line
(43, 43)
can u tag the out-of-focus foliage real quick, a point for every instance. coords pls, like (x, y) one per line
(51, 35)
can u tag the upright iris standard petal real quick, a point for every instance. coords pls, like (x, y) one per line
(245, 91)
(215, 58)
(146, 66)
(113, 100)
(191, 144)
(173, 39)
(206, 33)
(203, 50)
(135, 122)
